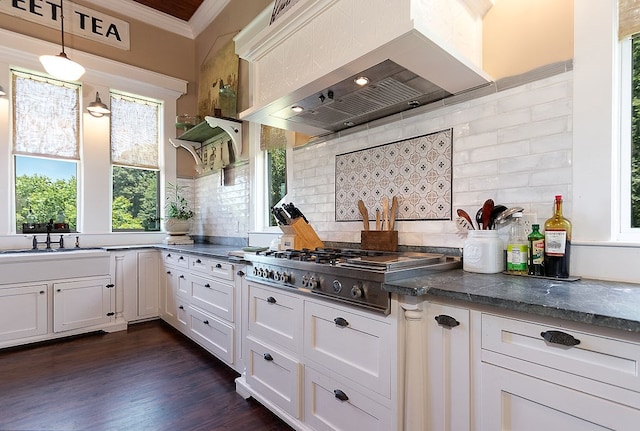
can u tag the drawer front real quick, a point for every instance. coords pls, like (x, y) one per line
(212, 267)
(599, 358)
(353, 345)
(275, 375)
(275, 316)
(212, 296)
(330, 405)
(173, 258)
(212, 334)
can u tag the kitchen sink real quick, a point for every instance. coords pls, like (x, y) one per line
(47, 250)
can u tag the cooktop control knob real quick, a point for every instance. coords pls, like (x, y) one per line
(285, 278)
(337, 286)
(313, 282)
(356, 291)
(305, 280)
(255, 271)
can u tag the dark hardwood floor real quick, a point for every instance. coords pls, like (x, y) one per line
(149, 377)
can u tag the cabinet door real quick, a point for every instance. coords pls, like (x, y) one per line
(354, 345)
(168, 293)
(448, 376)
(82, 303)
(23, 311)
(333, 405)
(148, 282)
(514, 401)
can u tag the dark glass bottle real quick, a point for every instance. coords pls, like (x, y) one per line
(536, 251)
(557, 243)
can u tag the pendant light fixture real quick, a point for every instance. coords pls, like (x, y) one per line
(97, 108)
(59, 66)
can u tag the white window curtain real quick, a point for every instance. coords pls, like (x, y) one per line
(46, 117)
(628, 18)
(134, 131)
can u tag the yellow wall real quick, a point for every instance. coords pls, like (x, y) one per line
(521, 35)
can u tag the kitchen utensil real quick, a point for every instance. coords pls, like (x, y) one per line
(392, 215)
(496, 211)
(479, 218)
(377, 218)
(364, 213)
(462, 213)
(487, 207)
(464, 225)
(385, 213)
(505, 215)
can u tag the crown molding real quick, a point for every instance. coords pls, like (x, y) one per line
(206, 13)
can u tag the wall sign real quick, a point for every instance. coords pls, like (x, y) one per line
(417, 170)
(78, 20)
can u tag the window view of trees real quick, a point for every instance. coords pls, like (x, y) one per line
(46, 192)
(135, 199)
(277, 178)
(635, 136)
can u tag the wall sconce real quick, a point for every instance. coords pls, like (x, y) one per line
(97, 108)
(59, 66)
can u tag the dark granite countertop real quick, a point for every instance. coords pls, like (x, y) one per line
(206, 250)
(602, 303)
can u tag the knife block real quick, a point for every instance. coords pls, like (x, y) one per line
(299, 235)
(382, 240)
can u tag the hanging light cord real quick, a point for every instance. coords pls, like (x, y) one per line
(62, 24)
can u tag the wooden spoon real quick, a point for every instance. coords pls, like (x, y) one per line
(364, 213)
(394, 210)
(385, 213)
(377, 218)
(462, 213)
(486, 213)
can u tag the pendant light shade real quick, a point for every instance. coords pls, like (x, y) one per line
(97, 108)
(59, 66)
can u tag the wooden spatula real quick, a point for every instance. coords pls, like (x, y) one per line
(393, 212)
(364, 213)
(385, 213)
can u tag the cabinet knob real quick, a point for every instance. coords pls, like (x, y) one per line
(340, 321)
(271, 300)
(168, 254)
(59, 290)
(208, 286)
(447, 321)
(267, 357)
(218, 265)
(181, 275)
(340, 395)
(181, 307)
(181, 258)
(559, 337)
(42, 292)
(240, 273)
(206, 322)
(168, 272)
(198, 261)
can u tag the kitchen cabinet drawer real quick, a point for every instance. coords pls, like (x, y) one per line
(275, 375)
(212, 267)
(275, 316)
(333, 405)
(212, 296)
(596, 357)
(23, 311)
(353, 345)
(172, 258)
(212, 334)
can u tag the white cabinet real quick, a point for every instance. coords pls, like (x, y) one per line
(540, 375)
(448, 359)
(318, 364)
(82, 303)
(23, 311)
(200, 297)
(136, 274)
(148, 277)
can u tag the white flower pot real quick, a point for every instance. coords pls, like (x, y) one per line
(174, 226)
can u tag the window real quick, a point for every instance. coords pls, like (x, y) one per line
(45, 149)
(273, 143)
(634, 180)
(135, 137)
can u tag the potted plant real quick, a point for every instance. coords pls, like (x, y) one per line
(178, 214)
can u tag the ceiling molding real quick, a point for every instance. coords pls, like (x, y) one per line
(206, 13)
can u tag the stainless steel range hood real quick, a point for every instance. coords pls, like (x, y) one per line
(414, 52)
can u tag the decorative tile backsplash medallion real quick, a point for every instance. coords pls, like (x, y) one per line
(417, 170)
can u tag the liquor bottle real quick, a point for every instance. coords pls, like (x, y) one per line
(31, 220)
(536, 251)
(557, 243)
(517, 248)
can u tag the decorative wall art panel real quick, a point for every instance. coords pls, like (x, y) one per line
(417, 170)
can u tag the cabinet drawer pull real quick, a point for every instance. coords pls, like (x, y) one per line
(340, 395)
(181, 276)
(218, 266)
(168, 254)
(198, 261)
(42, 292)
(208, 286)
(181, 258)
(339, 321)
(446, 321)
(267, 357)
(206, 322)
(168, 272)
(59, 290)
(271, 300)
(559, 337)
(181, 307)
(240, 273)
